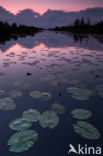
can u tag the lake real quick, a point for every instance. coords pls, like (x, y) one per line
(51, 94)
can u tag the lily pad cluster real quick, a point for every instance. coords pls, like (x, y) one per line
(84, 129)
(22, 141)
(80, 93)
(41, 95)
(7, 104)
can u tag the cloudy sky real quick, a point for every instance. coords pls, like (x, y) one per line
(42, 5)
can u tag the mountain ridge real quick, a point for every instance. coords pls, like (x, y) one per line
(51, 18)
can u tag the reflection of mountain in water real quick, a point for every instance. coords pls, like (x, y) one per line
(55, 40)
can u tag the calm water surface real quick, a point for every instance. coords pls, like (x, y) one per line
(50, 63)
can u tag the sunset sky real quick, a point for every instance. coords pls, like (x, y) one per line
(42, 5)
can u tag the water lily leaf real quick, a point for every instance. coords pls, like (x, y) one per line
(36, 94)
(86, 130)
(46, 96)
(49, 119)
(7, 104)
(21, 147)
(19, 124)
(40, 95)
(21, 84)
(99, 88)
(58, 108)
(80, 93)
(101, 94)
(15, 93)
(81, 97)
(2, 92)
(81, 114)
(22, 141)
(31, 115)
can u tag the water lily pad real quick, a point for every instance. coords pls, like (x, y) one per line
(31, 115)
(2, 92)
(74, 82)
(19, 124)
(7, 104)
(58, 108)
(46, 96)
(15, 93)
(81, 114)
(40, 95)
(22, 141)
(80, 93)
(36, 94)
(101, 94)
(86, 130)
(49, 119)
(99, 88)
(21, 84)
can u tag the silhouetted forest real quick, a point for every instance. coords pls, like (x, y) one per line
(80, 26)
(7, 31)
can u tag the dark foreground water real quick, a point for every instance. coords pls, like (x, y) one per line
(58, 80)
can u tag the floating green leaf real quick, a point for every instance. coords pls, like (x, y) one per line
(7, 104)
(46, 96)
(80, 93)
(101, 94)
(31, 115)
(19, 124)
(40, 95)
(81, 114)
(99, 88)
(36, 94)
(49, 119)
(86, 130)
(21, 84)
(22, 141)
(58, 108)
(15, 93)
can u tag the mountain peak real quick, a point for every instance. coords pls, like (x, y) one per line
(29, 12)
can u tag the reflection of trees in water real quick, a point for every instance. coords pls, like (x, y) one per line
(13, 31)
(99, 38)
(80, 38)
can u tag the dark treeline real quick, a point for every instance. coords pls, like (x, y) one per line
(7, 31)
(80, 26)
